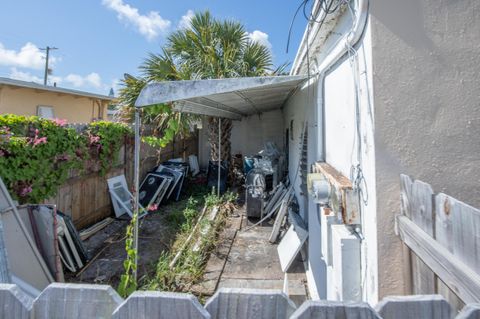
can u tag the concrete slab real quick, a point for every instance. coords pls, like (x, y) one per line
(253, 257)
(295, 287)
(253, 263)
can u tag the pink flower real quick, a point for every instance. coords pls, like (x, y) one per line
(94, 139)
(60, 122)
(152, 207)
(25, 191)
(41, 140)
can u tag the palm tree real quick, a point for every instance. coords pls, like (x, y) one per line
(211, 48)
(208, 48)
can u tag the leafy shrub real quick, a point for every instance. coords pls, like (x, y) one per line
(37, 155)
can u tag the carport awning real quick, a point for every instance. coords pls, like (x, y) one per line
(230, 98)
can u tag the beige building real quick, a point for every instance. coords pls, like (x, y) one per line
(28, 98)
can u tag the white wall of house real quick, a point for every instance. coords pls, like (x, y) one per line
(349, 143)
(334, 100)
(302, 108)
(426, 66)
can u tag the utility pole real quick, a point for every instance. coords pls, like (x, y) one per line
(46, 62)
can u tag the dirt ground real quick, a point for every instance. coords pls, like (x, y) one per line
(106, 248)
(241, 259)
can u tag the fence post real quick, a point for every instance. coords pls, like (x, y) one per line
(413, 307)
(236, 303)
(76, 301)
(14, 303)
(160, 305)
(421, 210)
(405, 196)
(334, 310)
(471, 311)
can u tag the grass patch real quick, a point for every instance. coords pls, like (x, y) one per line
(190, 266)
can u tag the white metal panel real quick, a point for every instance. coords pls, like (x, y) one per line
(290, 245)
(345, 264)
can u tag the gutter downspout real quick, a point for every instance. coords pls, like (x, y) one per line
(338, 52)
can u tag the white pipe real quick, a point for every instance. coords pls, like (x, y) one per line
(348, 40)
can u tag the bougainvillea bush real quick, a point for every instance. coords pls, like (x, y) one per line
(36, 155)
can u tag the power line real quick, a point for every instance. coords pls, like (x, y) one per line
(45, 77)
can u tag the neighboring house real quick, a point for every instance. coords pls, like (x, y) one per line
(386, 87)
(28, 98)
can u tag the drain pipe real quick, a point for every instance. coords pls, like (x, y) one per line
(338, 52)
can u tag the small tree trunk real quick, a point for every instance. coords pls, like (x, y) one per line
(226, 132)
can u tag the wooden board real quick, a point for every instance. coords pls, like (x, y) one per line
(421, 211)
(457, 226)
(454, 273)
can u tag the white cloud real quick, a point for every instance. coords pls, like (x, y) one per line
(186, 19)
(150, 25)
(260, 37)
(29, 56)
(90, 80)
(24, 76)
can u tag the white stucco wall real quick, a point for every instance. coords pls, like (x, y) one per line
(249, 135)
(301, 108)
(342, 145)
(426, 64)
(335, 101)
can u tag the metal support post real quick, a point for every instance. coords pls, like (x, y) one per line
(136, 178)
(219, 153)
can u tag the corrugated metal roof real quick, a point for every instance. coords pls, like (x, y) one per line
(36, 86)
(229, 98)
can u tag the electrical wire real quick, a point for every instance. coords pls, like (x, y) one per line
(326, 6)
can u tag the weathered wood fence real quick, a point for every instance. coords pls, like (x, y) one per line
(80, 301)
(86, 198)
(442, 241)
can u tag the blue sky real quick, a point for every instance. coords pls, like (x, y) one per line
(100, 40)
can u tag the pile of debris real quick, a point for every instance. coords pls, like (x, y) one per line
(269, 196)
(35, 240)
(161, 184)
(38, 242)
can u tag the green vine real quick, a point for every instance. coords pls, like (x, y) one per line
(37, 155)
(128, 283)
(105, 140)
